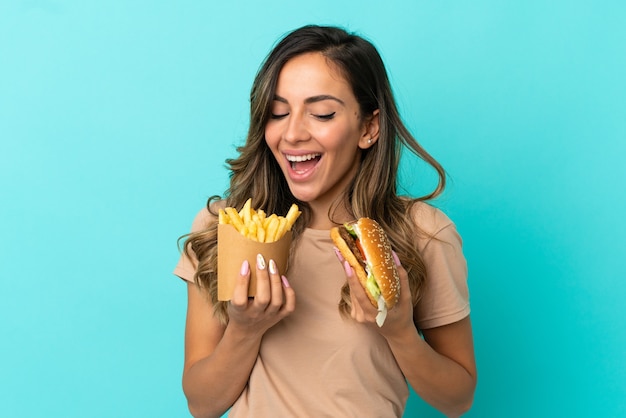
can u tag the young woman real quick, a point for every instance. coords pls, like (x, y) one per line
(325, 134)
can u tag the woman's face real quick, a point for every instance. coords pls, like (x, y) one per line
(315, 130)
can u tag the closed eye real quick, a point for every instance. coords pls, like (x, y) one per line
(278, 115)
(328, 116)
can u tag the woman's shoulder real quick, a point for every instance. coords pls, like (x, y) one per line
(432, 222)
(206, 216)
(429, 218)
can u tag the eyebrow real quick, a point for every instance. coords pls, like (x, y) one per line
(312, 99)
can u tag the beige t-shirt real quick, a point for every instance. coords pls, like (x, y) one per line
(317, 363)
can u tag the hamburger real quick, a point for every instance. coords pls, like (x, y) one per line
(365, 246)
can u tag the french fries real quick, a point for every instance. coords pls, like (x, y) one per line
(256, 225)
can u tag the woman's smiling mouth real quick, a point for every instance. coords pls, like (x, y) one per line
(301, 164)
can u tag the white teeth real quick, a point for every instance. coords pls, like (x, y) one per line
(300, 158)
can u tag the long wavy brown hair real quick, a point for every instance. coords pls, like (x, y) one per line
(372, 193)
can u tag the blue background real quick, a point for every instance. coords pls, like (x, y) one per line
(115, 121)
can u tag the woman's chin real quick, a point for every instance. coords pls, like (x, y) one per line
(302, 194)
(302, 197)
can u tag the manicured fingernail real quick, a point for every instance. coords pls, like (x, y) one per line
(338, 254)
(273, 269)
(245, 267)
(347, 268)
(395, 258)
(260, 262)
(285, 281)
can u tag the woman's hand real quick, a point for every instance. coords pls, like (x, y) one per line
(274, 299)
(399, 318)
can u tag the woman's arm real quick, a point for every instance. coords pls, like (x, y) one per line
(219, 359)
(441, 367)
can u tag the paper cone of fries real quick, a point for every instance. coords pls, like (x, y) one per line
(233, 248)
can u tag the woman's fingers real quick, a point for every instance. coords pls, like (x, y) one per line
(405, 291)
(263, 289)
(358, 297)
(276, 288)
(239, 299)
(290, 298)
(274, 296)
(338, 254)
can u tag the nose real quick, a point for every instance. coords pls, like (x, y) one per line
(296, 130)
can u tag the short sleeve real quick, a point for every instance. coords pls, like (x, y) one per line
(445, 295)
(186, 267)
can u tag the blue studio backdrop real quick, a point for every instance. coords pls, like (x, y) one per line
(115, 121)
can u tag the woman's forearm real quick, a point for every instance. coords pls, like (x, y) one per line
(213, 383)
(438, 380)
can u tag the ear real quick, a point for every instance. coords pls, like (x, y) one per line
(371, 130)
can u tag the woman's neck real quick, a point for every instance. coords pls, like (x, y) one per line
(327, 216)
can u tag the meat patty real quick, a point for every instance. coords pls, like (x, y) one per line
(351, 241)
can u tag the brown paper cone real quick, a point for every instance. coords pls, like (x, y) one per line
(233, 248)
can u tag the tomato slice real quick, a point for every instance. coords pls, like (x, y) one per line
(358, 244)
